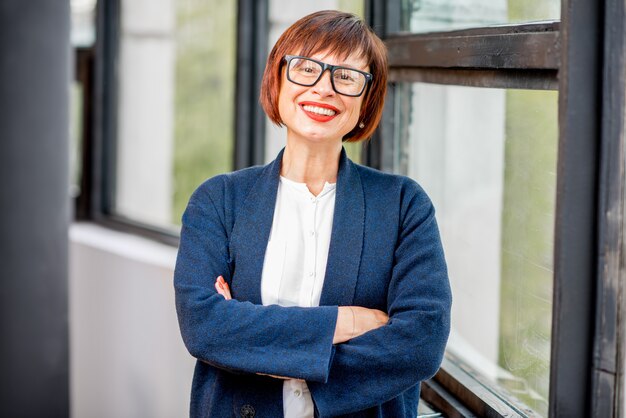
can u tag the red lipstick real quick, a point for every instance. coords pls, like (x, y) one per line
(317, 116)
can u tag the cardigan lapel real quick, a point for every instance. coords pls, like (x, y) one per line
(251, 233)
(346, 240)
(252, 229)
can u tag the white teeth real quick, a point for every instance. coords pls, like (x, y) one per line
(319, 110)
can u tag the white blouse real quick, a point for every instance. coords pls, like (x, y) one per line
(295, 264)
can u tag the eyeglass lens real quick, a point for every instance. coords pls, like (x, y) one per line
(307, 72)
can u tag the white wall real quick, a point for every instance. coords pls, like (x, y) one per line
(127, 358)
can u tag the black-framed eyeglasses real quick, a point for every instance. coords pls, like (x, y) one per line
(306, 71)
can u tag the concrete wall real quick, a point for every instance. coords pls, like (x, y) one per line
(34, 207)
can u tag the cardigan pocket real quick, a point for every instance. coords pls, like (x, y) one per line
(273, 269)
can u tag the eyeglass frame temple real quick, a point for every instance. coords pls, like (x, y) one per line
(331, 68)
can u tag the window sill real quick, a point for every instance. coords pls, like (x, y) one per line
(123, 244)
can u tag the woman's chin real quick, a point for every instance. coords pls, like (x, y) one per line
(316, 136)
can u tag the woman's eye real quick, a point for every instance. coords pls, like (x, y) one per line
(345, 76)
(306, 69)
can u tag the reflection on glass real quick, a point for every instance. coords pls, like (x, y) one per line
(420, 16)
(175, 101)
(487, 158)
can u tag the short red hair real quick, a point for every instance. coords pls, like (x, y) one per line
(340, 34)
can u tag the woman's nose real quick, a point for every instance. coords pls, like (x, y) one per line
(324, 86)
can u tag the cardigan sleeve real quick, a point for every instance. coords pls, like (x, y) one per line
(240, 336)
(381, 364)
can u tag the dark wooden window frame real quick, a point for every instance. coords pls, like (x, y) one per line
(583, 56)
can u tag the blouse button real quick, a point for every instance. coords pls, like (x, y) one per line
(311, 274)
(247, 411)
(297, 393)
(311, 233)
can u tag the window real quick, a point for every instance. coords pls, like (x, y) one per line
(175, 102)
(421, 16)
(487, 158)
(472, 114)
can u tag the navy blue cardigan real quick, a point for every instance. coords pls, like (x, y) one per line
(385, 253)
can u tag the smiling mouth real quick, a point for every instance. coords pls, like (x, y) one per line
(319, 112)
(322, 111)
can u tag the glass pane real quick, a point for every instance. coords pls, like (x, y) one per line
(283, 13)
(83, 33)
(419, 16)
(487, 158)
(176, 103)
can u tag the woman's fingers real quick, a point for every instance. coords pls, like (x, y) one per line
(353, 321)
(368, 319)
(222, 288)
(274, 376)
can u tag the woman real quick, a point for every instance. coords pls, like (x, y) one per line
(332, 295)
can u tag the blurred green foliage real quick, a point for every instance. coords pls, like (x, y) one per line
(527, 243)
(204, 108)
(533, 10)
(528, 229)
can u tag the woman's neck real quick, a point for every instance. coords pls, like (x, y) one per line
(311, 164)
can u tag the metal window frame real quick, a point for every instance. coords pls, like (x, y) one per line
(587, 362)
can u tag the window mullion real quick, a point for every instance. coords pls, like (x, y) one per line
(608, 341)
(575, 256)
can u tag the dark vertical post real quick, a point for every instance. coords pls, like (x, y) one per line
(252, 30)
(102, 158)
(608, 341)
(575, 247)
(34, 207)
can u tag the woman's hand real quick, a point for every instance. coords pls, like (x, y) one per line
(222, 288)
(353, 321)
